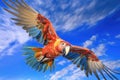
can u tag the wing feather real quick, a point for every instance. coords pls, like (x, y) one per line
(28, 18)
(87, 61)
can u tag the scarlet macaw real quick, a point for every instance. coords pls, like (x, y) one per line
(40, 28)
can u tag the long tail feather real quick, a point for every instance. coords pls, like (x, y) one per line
(36, 60)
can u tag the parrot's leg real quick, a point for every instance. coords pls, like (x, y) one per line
(41, 58)
(45, 59)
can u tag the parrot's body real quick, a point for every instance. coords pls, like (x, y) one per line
(42, 30)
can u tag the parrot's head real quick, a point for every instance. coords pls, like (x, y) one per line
(62, 46)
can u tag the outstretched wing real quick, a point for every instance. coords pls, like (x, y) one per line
(87, 61)
(34, 23)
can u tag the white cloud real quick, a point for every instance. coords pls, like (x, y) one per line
(29, 79)
(67, 73)
(111, 42)
(15, 78)
(90, 41)
(117, 36)
(74, 73)
(112, 64)
(99, 50)
(12, 36)
(69, 15)
(107, 34)
(61, 62)
(77, 74)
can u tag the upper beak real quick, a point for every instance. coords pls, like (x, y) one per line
(66, 50)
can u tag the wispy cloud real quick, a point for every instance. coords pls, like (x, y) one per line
(99, 50)
(2, 78)
(113, 64)
(61, 62)
(69, 72)
(111, 42)
(68, 15)
(74, 73)
(117, 36)
(89, 42)
(12, 36)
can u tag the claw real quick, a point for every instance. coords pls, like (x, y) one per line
(40, 59)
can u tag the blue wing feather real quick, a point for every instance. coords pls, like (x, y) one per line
(37, 34)
(76, 59)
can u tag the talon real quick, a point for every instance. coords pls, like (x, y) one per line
(40, 59)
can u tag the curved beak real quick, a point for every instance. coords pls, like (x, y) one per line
(66, 50)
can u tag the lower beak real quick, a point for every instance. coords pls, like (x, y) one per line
(66, 50)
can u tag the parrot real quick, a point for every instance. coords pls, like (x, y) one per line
(43, 58)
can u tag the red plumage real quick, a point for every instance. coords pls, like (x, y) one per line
(40, 28)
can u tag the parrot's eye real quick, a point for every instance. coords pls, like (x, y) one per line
(63, 44)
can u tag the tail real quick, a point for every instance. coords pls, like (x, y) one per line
(36, 60)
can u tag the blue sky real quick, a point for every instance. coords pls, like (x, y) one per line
(94, 24)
